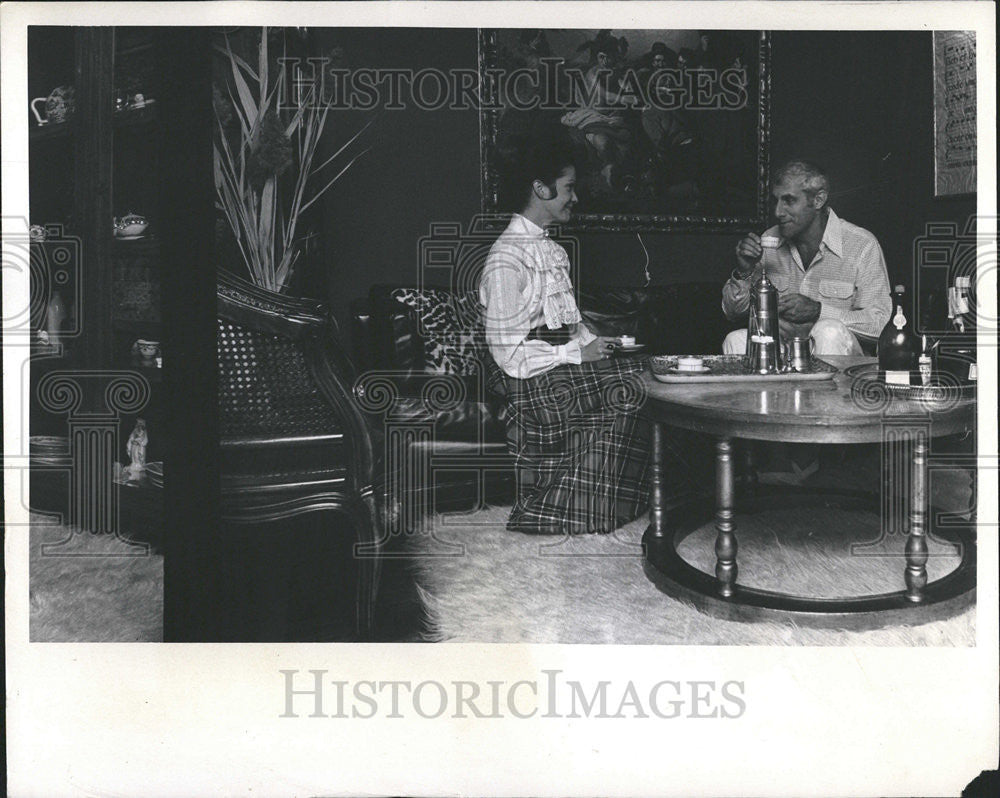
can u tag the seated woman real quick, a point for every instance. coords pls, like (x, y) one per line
(581, 451)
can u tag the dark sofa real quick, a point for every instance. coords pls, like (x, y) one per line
(417, 352)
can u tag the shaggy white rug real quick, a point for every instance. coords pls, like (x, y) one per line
(481, 583)
(86, 588)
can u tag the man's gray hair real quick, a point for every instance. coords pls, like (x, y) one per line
(813, 176)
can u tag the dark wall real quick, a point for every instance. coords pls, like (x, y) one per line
(860, 103)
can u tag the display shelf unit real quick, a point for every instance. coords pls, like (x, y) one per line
(102, 162)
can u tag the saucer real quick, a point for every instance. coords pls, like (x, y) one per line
(675, 370)
(133, 237)
(629, 347)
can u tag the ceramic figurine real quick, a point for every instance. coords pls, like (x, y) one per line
(137, 443)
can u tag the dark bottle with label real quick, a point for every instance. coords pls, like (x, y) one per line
(898, 346)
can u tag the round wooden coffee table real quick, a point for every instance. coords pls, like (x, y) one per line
(833, 411)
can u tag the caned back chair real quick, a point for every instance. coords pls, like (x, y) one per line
(293, 440)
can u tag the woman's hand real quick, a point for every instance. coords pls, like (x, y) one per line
(600, 348)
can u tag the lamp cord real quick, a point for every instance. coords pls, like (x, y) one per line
(645, 267)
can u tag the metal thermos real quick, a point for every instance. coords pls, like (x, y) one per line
(763, 355)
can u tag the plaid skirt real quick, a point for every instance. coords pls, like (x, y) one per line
(580, 448)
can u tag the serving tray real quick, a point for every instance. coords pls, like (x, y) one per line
(942, 384)
(729, 368)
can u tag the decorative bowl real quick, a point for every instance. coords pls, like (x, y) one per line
(131, 225)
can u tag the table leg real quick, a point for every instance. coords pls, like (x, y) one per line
(725, 541)
(916, 542)
(657, 512)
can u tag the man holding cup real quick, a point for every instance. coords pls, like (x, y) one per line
(830, 274)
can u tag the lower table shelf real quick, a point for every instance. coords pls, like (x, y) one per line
(941, 598)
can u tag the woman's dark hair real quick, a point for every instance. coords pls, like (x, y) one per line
(528, 160)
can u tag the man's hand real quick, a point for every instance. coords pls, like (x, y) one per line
(797, 308)
(748, 254)
(598, 349)
(788, 330)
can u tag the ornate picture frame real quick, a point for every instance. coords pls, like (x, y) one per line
(670, 127)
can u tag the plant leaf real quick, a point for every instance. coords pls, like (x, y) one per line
(246, 98)
(335, 179)
(349, 142)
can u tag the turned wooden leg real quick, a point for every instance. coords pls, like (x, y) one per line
(725, 541)
(916, 542)
(657, 490)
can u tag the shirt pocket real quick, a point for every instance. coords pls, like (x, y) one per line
(837, 293)
(779, 281)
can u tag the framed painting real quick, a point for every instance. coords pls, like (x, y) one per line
(669, 127)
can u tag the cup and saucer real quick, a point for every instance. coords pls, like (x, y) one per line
(626, 344)
(689, 364)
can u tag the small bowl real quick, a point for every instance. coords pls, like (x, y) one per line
(131, 230)
(130, 225)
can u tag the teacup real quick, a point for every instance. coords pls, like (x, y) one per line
(626, 340)
(59, 105)
(690, 363)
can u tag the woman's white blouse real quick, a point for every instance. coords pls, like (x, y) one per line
(525, 284)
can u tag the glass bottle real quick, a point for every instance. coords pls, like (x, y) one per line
(898, 348)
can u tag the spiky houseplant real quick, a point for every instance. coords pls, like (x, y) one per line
(264, 146)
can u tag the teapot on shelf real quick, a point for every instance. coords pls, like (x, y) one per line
(59, 105)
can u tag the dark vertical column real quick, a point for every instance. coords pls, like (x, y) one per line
(94, 66)
(191, 612)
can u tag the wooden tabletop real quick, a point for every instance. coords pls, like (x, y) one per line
(804, 412)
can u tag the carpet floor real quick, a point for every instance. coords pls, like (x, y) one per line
(481, 583)
(88, 588)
